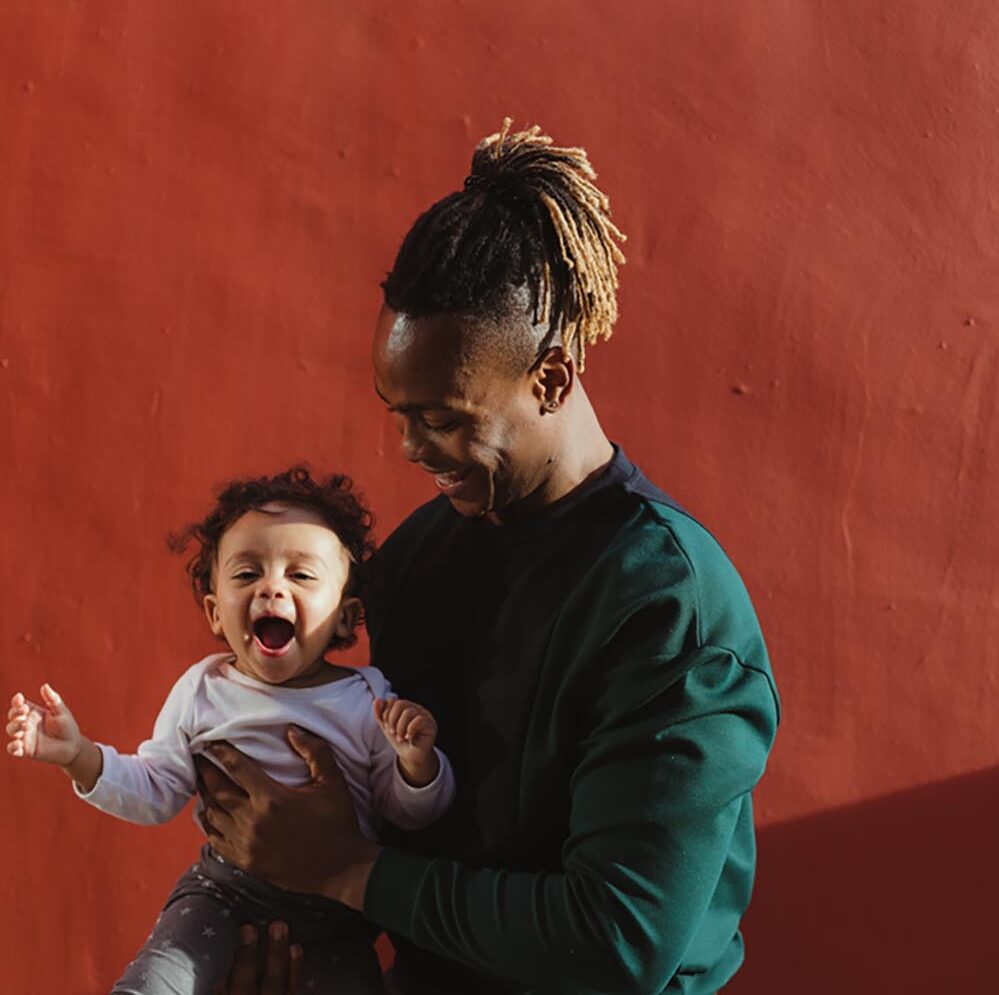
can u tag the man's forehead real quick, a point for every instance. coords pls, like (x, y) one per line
(453, 352)
(430, 360)
(444, 337)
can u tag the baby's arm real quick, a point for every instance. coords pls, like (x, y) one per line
(412, 781)
(148, 787)
(411, 731)
(49, 733)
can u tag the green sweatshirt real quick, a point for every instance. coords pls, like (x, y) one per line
(604, 693)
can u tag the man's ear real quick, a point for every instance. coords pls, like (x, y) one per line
(554, 377)
(211, 606)
(347, 615)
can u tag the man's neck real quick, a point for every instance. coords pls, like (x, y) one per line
(582, 451)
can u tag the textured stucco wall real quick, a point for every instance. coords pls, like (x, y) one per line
(197, 201)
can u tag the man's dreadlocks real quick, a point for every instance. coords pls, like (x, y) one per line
(529, 216)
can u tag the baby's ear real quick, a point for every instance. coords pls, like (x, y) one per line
(211, 606)
(347, 616)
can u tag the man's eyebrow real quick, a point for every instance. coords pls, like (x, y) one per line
(405, 408)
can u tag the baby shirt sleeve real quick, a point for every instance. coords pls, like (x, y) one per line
(402, 804)
(153, 784)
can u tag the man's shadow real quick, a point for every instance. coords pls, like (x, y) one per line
(900, 894)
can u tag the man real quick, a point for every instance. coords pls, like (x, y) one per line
(593, 660)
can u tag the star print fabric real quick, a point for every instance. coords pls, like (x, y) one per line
(195, 937)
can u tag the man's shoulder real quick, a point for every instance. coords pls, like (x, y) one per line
(663, 527)
(663, 554)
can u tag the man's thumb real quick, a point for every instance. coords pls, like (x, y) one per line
(316, 753)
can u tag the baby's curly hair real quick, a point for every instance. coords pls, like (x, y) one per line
(332, 498)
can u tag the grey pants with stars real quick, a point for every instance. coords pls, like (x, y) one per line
(196, 936)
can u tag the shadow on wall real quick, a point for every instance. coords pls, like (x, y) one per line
(895, 895)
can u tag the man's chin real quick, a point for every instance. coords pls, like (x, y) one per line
(469, 508)
(472, 499)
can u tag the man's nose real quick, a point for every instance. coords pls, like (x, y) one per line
(414, 442)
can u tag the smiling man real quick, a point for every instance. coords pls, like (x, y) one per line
(487, 433)
(594, 662)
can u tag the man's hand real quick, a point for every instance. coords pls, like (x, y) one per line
(302, 839)
(282, 967)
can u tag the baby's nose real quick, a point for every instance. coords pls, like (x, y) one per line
(269, 589)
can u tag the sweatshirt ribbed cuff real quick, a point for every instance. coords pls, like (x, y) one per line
(393, 887)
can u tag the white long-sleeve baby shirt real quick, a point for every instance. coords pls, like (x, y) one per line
(213, 701)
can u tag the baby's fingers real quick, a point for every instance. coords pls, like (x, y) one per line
(19, 705)
(389, 712)
(418, 726)
(16, 726)
(406, 718)
(16, 732)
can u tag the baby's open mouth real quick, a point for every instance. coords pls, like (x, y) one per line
(273, 633)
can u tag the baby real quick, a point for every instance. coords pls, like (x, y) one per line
(278, 569)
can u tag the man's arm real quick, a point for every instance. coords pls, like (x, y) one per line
(654, 808)
(662, 780)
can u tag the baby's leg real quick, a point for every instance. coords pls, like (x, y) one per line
(334, 967)
(191, 946)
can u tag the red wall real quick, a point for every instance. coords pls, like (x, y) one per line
(197, 201)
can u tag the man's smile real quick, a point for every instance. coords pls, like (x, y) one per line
(449, 480)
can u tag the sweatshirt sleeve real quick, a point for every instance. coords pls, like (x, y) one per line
(668, 753)
(153, 784)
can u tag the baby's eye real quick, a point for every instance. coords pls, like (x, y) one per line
(302, 575)
(244, 575)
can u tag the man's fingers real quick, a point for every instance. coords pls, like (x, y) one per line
(295, 970)
(217, 823)
(216, 791)
(215, 786)
(276, 967)
(246, 773)
(212, 780)
(209, 830)
(317, 755)
(243, 973)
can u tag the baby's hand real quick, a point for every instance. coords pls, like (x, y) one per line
(43, 732)
(412, 731)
